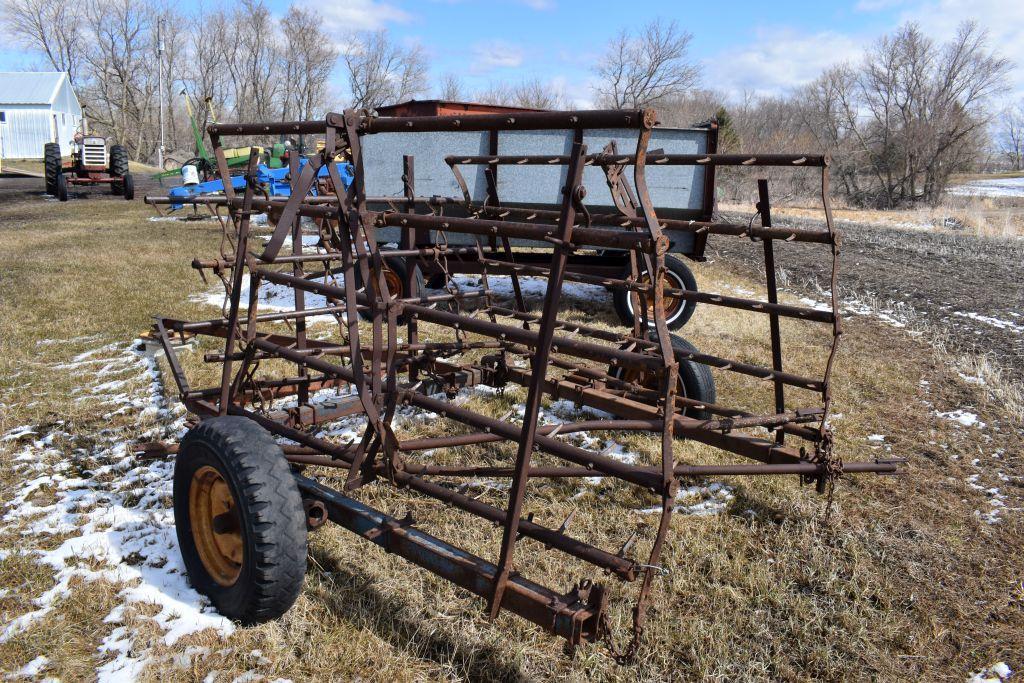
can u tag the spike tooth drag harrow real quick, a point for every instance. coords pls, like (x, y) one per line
(645, 379)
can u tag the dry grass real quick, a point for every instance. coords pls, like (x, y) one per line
(977, 216)
(903, 582)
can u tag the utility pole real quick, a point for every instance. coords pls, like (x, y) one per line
(160, 86)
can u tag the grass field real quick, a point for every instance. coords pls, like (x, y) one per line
(918, 577)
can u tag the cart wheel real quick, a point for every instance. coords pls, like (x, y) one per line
(695, 379)
(677, 311)
(240, 520)
(128, 186)
(394, 276)
(51, 166)
(62, 187)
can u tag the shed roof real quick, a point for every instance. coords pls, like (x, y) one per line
(30, 87)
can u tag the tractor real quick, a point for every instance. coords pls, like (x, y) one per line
(92, 163)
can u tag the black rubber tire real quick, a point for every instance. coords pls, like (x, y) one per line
(677, 276)
(51, 166)
(397, 265)
(118, 168)
(272, 521)
(695, 379)
(62, 187)
(128, 188)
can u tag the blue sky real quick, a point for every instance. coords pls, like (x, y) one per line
(742, 45)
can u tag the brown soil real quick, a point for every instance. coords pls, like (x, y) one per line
(933, 280)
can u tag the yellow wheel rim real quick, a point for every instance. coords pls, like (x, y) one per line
(216, 525)
(672, 304)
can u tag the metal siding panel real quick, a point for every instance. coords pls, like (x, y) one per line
(676, 191)
(25, 132)
(28, 87)
(382, 154)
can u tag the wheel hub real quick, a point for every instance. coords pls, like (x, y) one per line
(672, 304)
(216, 527)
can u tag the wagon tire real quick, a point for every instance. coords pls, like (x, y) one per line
(677, 311)
(62, 187)
(695, 379)
(51, 166)
(394, 274)
(239, 519)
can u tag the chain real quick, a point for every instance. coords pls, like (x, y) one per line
(832, 465)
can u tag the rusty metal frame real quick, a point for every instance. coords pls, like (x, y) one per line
(589, 365)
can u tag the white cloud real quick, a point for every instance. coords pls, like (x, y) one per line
(496, 54)
(778, 59)
(361, 15)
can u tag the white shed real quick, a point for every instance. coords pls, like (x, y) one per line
(36, 108)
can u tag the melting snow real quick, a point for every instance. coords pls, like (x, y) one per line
(992, 674)
(963, 417)
(990, 187)
(994, 322)
(117, 514)
(699, 501)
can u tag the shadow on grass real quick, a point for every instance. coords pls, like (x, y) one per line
(352, 597)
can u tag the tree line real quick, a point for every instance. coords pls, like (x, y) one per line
(897, 122)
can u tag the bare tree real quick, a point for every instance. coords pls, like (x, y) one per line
(121, 64)
(1011, 135)
(206, 82)
(530, 94)
(640, 69)
(49, 27)
(380, 72)
(252, 61)
(309, 57)
(451, 88)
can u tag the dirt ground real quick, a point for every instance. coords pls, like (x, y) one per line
(915, 577)
(967, 289)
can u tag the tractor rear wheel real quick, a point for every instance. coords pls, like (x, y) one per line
(118, 168)
(51, 166)
(62, 187)
(239, 518)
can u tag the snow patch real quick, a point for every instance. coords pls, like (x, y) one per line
(116, 512)
(990, 187)
(964, 418)
(992, 674)
(699, 501)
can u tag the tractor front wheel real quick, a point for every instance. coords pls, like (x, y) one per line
(51, 166)
(239, 518)
(62, 187)
(128, 187)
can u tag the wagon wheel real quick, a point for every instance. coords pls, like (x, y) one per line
(677, 311)
(239, 518)
(695, 380)
(394, 278)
